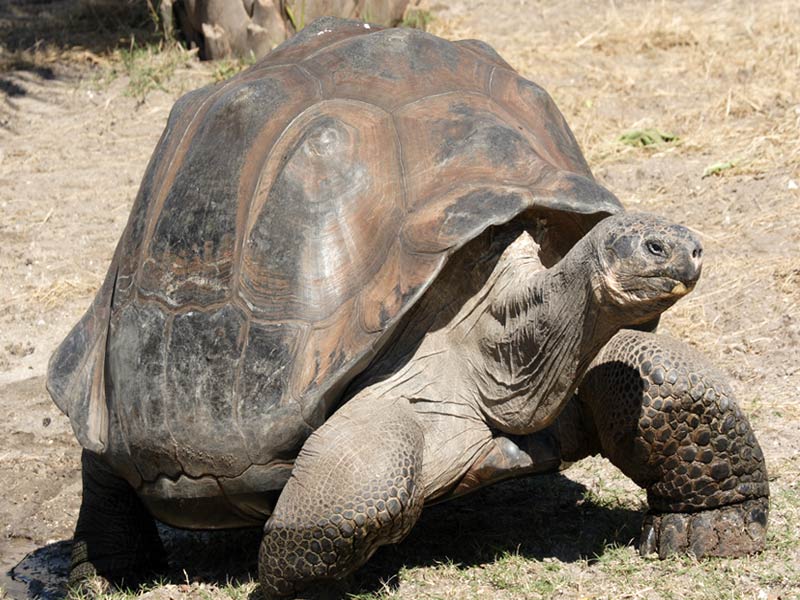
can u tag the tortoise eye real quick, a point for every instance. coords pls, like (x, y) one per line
(656, 248)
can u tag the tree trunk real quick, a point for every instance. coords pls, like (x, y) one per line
(251, 28)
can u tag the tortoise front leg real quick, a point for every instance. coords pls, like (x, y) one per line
(668, 419)
(116, 538)
(355, 486)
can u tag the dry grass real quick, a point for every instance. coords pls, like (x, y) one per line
(148, 67)
(54, 294)
(725, 78)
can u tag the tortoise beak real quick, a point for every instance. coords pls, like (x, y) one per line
(680, 289)
(689, 265)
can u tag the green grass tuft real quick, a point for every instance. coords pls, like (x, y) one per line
(297, 21)
(717, 168)
(148, 67)
(646, 137)
(417, 18)
(228, 67)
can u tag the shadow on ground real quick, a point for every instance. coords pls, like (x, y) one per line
(95, 25)
(537, 518)
(546, 516)
(35, 35)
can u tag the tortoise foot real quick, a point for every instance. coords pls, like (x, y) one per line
(116, 542)
(733, 530)
(354, 487)
(100, 575)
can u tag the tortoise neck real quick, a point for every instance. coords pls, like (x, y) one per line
(539, 336)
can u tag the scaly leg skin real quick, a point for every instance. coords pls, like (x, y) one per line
(667, 418)
(116, 539)
(355, 486)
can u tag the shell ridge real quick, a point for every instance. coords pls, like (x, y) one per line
(335, 44)
(489, 82)
(458, 93)
(166, 176)
(179, 149)
(401, 161)
(313, 78)
(485, 53)
(159, 476)
(244, 215)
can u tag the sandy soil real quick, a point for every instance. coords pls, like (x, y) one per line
(74, 143)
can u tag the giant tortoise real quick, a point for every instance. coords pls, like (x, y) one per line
(372, 272)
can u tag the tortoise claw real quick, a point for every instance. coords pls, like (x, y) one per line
(734, 530)
(84, 582)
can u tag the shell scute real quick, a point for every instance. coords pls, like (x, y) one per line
(463, 137)
(392, 67)
(533, 108)
(460, 214)
(323, 220)
(205, 350)
(134, 235)
(190, 253)
(136, 369)
(269, 414)
(337, 345)
(400, 280)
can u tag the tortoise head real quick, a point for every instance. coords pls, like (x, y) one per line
(646, 264)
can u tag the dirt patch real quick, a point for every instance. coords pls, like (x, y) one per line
(75, 136)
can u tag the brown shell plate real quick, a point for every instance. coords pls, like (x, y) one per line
(287, 219)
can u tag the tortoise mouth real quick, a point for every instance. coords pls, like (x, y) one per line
(671, 287)
(679, 288)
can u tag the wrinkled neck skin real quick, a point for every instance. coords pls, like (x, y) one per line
(536, 336)
(513, 353)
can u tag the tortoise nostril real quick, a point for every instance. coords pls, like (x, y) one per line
(697, 252)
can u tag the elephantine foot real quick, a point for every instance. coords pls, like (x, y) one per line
(116, 541)
(84, 582)
(733, 530)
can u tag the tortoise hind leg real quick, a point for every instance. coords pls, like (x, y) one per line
(667, 418)
(355, 486)
(116, 538)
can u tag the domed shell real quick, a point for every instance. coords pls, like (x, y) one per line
(287, 220)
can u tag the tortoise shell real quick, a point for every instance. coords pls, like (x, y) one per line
(288, 218)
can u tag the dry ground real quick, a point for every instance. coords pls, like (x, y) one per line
(77, 125)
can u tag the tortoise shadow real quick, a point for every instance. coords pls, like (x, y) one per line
(545, 516)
